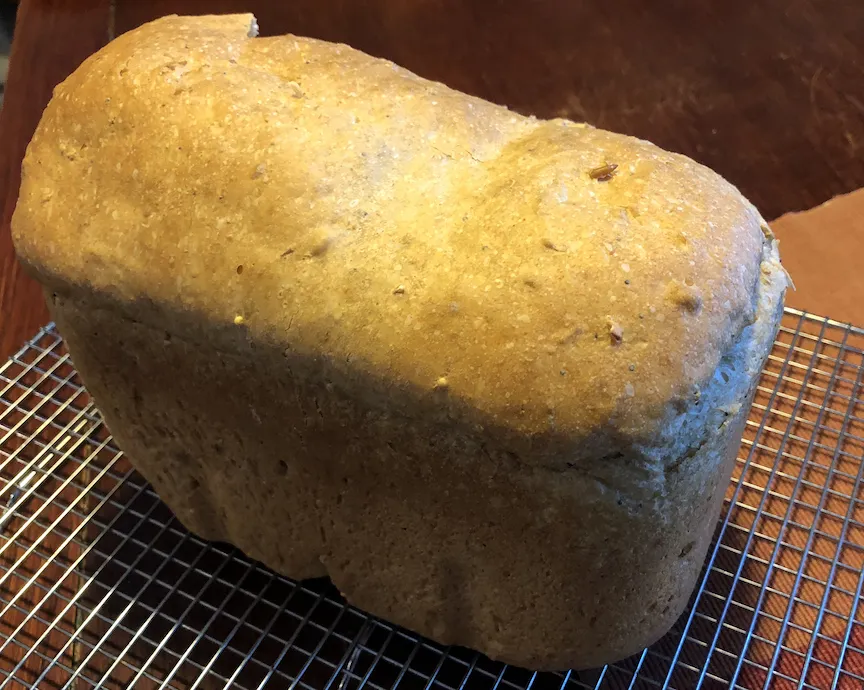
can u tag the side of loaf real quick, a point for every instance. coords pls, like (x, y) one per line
(486, 372)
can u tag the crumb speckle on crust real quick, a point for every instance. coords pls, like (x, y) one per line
(616, 332)
(685, 296)
(603, 173)
(554, 246)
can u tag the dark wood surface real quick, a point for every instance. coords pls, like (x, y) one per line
(769, 93)
(52, 37)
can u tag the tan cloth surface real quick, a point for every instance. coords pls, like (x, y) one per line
(822, 249)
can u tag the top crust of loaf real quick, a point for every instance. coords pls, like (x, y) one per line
(234, 190)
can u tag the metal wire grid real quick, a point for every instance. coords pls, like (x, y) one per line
(100, 586)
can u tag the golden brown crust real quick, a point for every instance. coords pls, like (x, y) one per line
(281, 263)
(395, 218)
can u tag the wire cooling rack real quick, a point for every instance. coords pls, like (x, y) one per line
(100, 586)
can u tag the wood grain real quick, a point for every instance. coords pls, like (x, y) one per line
(52, 37)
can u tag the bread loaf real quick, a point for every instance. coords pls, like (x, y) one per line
(486, 372)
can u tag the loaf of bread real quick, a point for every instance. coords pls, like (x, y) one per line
(486, 372)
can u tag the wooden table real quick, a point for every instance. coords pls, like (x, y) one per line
(769, 93)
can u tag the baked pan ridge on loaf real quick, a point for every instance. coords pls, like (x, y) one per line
(488, 373)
